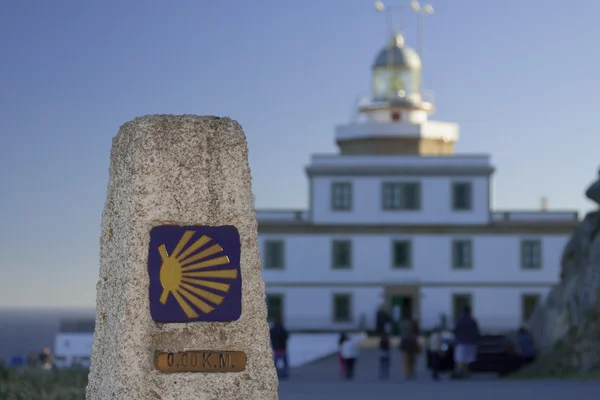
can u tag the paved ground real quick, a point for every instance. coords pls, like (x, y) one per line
(320, 381)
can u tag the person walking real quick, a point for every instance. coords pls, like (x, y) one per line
(17, 361)
(466, 336)
(341, 361)
(526, 346)
(349, 350)
(46, 359)
(382, 319)
(384, 356)
(279, 339)
(409, 343)
(435, 352)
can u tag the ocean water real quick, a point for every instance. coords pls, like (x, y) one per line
(25, 330)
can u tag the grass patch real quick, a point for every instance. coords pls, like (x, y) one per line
(63, 384)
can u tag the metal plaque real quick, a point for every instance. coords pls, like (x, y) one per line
(200, 361)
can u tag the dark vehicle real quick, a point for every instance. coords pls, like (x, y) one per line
(495, 354)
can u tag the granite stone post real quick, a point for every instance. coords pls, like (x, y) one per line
(180, 310)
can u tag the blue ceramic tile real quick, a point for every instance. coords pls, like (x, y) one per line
(195, 274)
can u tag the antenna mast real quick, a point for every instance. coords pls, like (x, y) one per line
(421, 11)
(381, 7)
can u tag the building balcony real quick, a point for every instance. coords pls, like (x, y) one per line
(447, 131)
(281, 216)
(335, 160)
(396, 165)
(518, 217)
(425, 100)
(497, 217)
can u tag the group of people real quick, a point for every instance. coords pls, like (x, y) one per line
(466, 339)
(348, 351)
(410, 346)
(42, 360)
(466, 336)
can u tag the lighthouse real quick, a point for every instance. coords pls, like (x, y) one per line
(395, 118)
(397, 219)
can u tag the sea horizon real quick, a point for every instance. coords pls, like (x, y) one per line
(31, 329)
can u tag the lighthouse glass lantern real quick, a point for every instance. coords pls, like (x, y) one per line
(397, 73)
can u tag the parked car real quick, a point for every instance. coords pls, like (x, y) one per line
(495, 354)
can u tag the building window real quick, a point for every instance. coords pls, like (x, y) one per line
(274, 254)
(462, 254)
(459, 302)
(274, 307)
(531, 254)
(462, 196)
(395, 116)
(342, 308)
(341, 196)
(401, 196)
(341, 254)
(402, 254)
(528, 304)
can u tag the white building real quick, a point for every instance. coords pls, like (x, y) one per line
(73, 343)
(397, 218)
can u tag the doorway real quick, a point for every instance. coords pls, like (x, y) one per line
(399, 305)
(275, 307)
(459, 302)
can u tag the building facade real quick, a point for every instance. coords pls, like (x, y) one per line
(73, 343)
(397, 219)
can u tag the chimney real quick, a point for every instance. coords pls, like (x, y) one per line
(544, 204)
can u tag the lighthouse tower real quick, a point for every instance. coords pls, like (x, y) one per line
(394, 164)
(396, 115)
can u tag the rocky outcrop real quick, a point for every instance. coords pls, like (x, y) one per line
(593, 192)
(566, 326)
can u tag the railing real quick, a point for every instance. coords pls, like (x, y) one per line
(282, 215)
(535, 216)
(428, 129)
(319, 160)
(367, 100)
(428, 96)
(497, 217)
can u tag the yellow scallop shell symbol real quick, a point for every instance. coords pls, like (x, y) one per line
(181, 274)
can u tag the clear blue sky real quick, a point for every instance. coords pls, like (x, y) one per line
(520, 77)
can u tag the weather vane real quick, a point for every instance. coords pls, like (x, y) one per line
(427, 9)
(421, 10)
(381, 7)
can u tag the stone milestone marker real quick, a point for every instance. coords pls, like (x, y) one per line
(180, 308)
